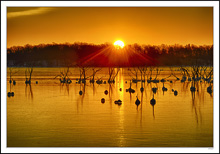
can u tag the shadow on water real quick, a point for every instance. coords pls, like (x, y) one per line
(81, 95)
(141, 105)
(153, 103)
(29, 91)
(110, 93)
(138, 104)
(93, 89)
(67, 88)
(185, 87)
(10, 93)
(82, 91)
(196, 108)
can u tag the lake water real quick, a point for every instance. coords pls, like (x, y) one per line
(51, 114)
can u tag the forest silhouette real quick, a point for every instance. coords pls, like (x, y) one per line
(105, 55)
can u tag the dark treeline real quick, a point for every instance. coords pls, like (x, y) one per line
(57, 55)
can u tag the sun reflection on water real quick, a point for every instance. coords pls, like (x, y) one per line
(120, 84)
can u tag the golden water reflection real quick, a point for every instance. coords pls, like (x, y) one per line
(56, 115)
(120, 81)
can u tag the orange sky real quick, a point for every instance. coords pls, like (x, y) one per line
(142, 25)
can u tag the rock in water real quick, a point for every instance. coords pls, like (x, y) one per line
(137, 102)
(103, 100)
(80, 92)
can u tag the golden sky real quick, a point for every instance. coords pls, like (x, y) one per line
(142, 25)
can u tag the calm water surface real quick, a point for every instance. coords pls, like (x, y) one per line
(50, 114)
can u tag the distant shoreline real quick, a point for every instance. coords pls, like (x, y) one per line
(106, 55)
(104, 66)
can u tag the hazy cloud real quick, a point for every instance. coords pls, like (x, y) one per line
(34, 11)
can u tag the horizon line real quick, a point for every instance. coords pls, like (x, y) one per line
(108, 43)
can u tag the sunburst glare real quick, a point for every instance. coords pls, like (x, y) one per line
(119, 44)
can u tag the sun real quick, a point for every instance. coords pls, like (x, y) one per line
(119, 44)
